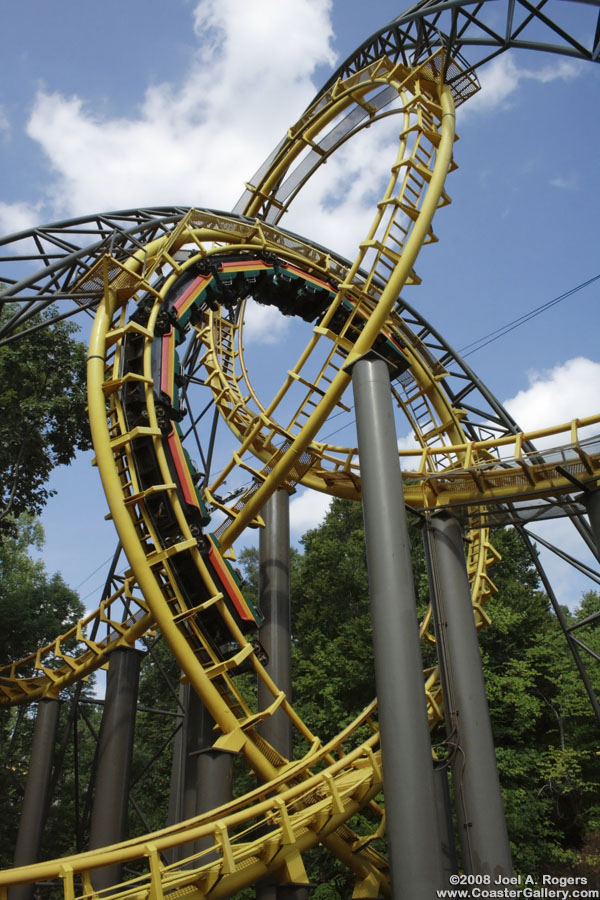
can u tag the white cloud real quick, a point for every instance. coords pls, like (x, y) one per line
(196, 142)
(307, 510)
(570, 390)
(15, 217)
(564, 70)
(275, 39)
(264, 324)
(408, 442)
(337, 206)
(566, 182)
(4, 125)
(555, 396)
(501, 78)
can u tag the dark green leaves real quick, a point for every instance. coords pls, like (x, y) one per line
(42, 412)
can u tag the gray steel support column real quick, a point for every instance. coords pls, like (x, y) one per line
(480, 812)
(115, 751)
(175, 813)
(275, 636)
(207, 779)
(411, 821)
(37, 792)
(208, 773)
(591, 500)
(445, 823)
(293, 891)
(274, 600)
(266, 890)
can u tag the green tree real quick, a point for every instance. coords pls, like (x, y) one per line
(154, 738)
(545, 734)
(546, 738)
(332, 650)
(42, 378)
(34, 607)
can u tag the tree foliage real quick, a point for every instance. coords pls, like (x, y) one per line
(545, 733)
(546, 738)
(34, 607)
(332, 649)
(42, 386)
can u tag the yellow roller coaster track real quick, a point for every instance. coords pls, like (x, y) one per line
(307, 801)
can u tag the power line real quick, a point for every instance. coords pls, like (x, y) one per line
(482, 342)
(97, 569)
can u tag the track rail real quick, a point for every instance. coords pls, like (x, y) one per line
(143, 275)
(264, 832)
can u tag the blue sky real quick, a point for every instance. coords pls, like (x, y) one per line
(146, 102)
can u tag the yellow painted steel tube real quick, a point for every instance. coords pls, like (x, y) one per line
(134, 848)
(318, 121)
(371, 329)
(213, 701)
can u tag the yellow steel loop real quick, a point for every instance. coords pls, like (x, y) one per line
(308, 800)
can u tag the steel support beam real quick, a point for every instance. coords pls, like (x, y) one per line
(208, 773)
(445, 822)
(115, 752)
(411, 820)
(37, 793)
(292, 891)
(266, 890)
(591, 500)
(275, 636)
(569, 637)
(201, 777)
(274, 600)
(175, 810)
(480, 812)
